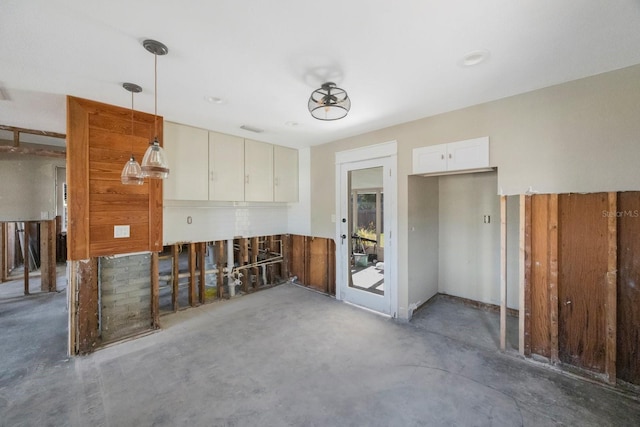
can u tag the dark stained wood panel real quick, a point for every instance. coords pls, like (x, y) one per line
(582, 282)
(628, 288)
(539, 279)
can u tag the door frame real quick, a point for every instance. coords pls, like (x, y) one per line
(387, 150)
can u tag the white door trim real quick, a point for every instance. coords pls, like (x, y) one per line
(390, 150)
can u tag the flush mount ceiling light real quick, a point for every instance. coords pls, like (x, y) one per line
(154, 162)
(329, 102)
(132, 173)
(474, 58)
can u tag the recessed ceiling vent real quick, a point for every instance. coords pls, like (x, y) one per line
(251, 129)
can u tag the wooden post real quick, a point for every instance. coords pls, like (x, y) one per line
(192, 274)
(243, 260)
(286, 248)
(220, 267)
(175, 279)
(270, 267)
(48, 256)
(255, 250)
(72, 348)
(87, 317)
(503, 273)
(611, 292)
(203, 272)
(155, 291)
(524, 324)
(553, 276)
(4, 259)
(25, 251)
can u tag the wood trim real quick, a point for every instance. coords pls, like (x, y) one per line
(503, 273)
(155, 291)
(78, 180)
(553, 276)
(611, 292)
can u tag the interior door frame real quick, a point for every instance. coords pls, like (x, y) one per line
(387, 150)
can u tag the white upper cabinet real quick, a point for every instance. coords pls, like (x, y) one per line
(258, 171)
(285, 174)
(187, 152)
(468, 155)
(226, 167)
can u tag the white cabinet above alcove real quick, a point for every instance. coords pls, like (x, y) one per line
(471, 155)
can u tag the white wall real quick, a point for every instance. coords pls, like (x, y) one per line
(28, 187)
(299, 214)
(469, 248)
(580, 136)
(423, 240)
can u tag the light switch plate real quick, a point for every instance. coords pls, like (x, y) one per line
(120, 231)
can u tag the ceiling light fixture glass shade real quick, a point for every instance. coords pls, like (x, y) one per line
(132, 172)
(154, 162)
(329, 102)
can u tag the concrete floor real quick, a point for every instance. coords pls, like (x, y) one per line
(287, 356)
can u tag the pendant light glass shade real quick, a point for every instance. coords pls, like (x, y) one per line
(154, 162)
(329, 102)
(132, 173)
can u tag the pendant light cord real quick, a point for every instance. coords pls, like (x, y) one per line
(155, 91)
(131, 123)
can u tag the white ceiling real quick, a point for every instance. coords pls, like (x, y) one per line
(398, 60)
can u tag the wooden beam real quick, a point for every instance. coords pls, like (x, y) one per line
(192, 274)
(611, 292)
(553, 276)
(87, 317)
(33, 131)
(155, 291)
(175, 276)
(255, 250)
(4, 258)
(202, 249)
(25, 251)
(524, 271)
(244, 259)
(220, 266)
(48, 256)
(503, 273)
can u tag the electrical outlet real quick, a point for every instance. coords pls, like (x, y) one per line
(120, 231)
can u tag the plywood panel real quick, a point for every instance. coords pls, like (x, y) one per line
(583, 264)
(539, 279)
(318, 267)
(628, 288)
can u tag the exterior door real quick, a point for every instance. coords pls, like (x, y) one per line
(365, 228)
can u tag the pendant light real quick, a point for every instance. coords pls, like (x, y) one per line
(154, 162)
(132, 173)
(329, 102)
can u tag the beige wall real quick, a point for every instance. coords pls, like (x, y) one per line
(581, 136)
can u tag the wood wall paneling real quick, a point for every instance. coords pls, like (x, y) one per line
(628, 288)
(539, 279)
(583, 266)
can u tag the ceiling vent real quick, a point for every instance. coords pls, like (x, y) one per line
(251, 129)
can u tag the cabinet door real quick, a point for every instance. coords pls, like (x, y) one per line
(468, 154)
(186, 148)
(258, 170)
(285, 174)
(226, 167)
(430, 159)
